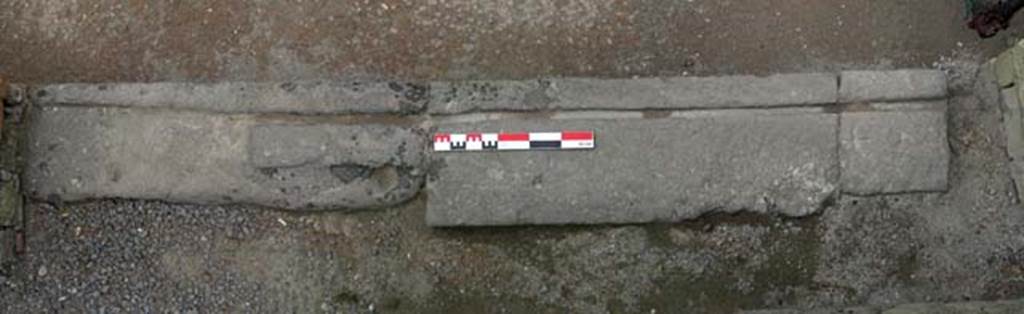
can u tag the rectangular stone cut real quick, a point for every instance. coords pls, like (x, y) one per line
(868, 86)
(635, 94)
(244, 97)
(643, 170)
(895, 151)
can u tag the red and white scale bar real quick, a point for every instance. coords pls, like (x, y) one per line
(445, 142)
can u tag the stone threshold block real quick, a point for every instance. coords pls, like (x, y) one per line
(898, 85)
(895, 148)
(635, 94)
(77, 153)
(643, 170)
(244, 97)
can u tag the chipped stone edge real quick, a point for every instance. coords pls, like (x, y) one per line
(672, 93)
(303, 98)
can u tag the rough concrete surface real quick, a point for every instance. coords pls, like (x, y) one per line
(894, 151)
(867, 86)
(241, 97)
(134, 256)
(635, 94)
(89, 153)
(644, 170)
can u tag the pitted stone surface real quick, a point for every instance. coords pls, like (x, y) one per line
(244, 97)
(895, 151)
(635, 94)
(324, 165)
(868, 86)
(292, 145)
(89, 153)
(644, 170)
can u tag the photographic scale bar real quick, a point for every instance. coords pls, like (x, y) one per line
(565, 140)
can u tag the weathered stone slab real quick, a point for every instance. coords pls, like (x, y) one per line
(244, 97)
(1013, 123)
(635, 94)
(643, 170)
(1013, 127)
(1008, 67)
(89, 153)
(867, 86)
(895, 151)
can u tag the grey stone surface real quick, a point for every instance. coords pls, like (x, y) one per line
(635, 94)
(859, 86)
(894, 151)
(1013, 127)
(293, 145)
(643, 170)
(244, 97)
(90, 153)
(1013, 123)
